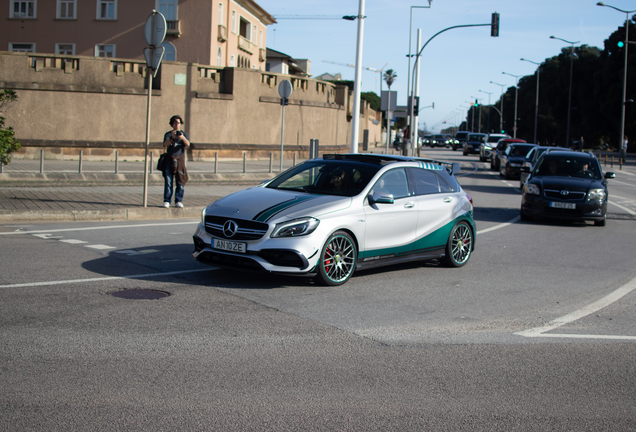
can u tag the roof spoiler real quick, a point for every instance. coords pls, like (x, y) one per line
(452, 167)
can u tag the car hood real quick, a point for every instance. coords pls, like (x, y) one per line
(569, 183)
(262, 204)
(516, 159)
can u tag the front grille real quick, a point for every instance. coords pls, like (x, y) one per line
(571, 196)
(247, 229)
(283, 258)
(226, 260)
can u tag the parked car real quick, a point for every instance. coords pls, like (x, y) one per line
(427, 140)
(566, 185)
(330, 216)
(441, 141)
(460, 139)
(473, 142)
(497, 151)
(531, 159)
(485, 150)
(513, 158)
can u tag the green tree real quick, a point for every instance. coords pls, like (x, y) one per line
(8, 143)
(389, 77)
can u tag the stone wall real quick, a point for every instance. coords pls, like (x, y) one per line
(98, 105)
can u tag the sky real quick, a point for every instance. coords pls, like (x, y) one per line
(458, 65)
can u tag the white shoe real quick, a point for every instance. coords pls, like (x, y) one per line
(166, 204)
(180, 205)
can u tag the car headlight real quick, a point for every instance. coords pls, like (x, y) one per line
(596, 195)
(531, 189)
(434, 142)
(295, 228)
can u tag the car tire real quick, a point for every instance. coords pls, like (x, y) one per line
(465, 153)
(600, 223)
(507, 176)
(524, 216)
(454, 148)
(459, 246)
(492, 165)
(337, 259)
(482, 159)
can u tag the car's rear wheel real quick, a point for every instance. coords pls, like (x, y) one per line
(459, 246)
(337, 259)
(600, 223)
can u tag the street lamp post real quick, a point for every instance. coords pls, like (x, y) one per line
(500, 105)
(479, 117)
(488, 93)
(567, 132)
(355, 119)
(536, 105)
(472, 116)
(408, 78)
(514, 128)
(623, 101)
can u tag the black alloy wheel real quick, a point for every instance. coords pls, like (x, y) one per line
(337, 259)
(459, 246)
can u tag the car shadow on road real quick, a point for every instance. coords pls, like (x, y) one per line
(494, 214)
(499, 190)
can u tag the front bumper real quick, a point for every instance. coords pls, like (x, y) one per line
(471, 148)
(297, 256)
(533, 205)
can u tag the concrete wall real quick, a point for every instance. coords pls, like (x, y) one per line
(67, 103)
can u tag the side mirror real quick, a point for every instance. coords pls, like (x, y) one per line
(381, 198)
(610, 175)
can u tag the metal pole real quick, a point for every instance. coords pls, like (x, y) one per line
(216, 162)
(514, 135)
(536, 107)
(80, 161)
(42, 161)
(282, 132)
(620, 141)
(116, 161)
(150, 75)
(416, 89)
(567, 133)
(355, 115)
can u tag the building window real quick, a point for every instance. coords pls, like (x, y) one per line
(233, 21)
(168, 8)
(231, 61)
(260, 39)
(170, 54)
(245, 28)
(218, 57)
(23, 9)
(66, 9)
(220, 13)
(22, 47)
(104, 50)
(107, 9)
(65, 49)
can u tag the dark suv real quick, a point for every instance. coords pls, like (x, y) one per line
(474, 142)
(460, 139)
(566, 185)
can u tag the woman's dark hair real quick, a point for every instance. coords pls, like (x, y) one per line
(175, 117)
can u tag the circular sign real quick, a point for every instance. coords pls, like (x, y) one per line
(155, 29)
(285, 88)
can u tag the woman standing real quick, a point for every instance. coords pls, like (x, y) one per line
(175, 142)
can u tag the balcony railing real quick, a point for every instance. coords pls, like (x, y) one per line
(245, 45)
(222, 34)
(173, 28)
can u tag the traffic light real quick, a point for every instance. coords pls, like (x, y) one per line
(621, 44)
(494, 26)
(476, 102)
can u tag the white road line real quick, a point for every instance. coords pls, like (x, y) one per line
(496, 227)
(73, 281)
(101, 228)
(72, 241)
(576, 315)
(630, 211)
(100, 247)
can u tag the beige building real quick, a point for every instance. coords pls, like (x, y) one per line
(212, 32)
(81, 80)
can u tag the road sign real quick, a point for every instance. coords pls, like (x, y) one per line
(154, 57)
(155, 29)
(285, 89)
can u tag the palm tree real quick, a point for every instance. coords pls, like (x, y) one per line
(389, 77)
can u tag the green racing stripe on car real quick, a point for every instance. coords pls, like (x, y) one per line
(434, 240)
(268, 213)
(430, 166)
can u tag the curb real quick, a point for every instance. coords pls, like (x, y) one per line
(99, 215)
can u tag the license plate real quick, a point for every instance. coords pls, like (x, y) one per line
(229, 245)
(563, 205)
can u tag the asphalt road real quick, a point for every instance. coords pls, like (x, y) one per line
(536, 332)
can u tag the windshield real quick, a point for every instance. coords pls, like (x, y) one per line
(326, 177)
(461, 135)
(581, 167)
(478, 138)
(520, 150)
(495, 138)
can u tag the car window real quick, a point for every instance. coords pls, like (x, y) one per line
(520, 150)
(426, 182)
(531, 154)
(569, 166)
(393, 182)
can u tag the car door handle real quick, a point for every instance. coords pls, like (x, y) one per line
(448, 199)
(409, 204)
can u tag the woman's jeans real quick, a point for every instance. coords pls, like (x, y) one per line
(168, 187)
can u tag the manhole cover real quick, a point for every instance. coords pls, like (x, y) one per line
(140, 294)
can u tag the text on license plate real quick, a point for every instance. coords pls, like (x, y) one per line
(562, 205)
(229, 245)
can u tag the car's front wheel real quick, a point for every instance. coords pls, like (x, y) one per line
(337, 259)
(459, 246)
(600, 223)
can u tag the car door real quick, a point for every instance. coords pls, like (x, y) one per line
(390, 228)
(436, 202)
